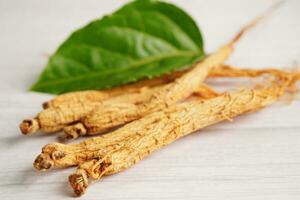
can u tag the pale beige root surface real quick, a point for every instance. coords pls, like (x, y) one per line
(205, 92)
(80, 96)
(124, 147)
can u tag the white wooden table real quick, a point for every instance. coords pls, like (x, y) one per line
(255, 157)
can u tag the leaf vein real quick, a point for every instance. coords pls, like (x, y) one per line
(134, 64)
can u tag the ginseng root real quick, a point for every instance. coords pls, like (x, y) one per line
(56, 118)
(121, 149)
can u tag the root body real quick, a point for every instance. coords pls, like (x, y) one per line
(119, 150)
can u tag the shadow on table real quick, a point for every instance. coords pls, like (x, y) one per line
(30, 176)
(17, 139)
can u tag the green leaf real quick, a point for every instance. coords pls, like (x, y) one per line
(143, 39)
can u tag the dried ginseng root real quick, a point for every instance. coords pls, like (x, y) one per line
(126, 146)
(56, 118)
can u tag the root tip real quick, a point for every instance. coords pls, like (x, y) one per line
(29, 126)
(43, 163)
(79, 182)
